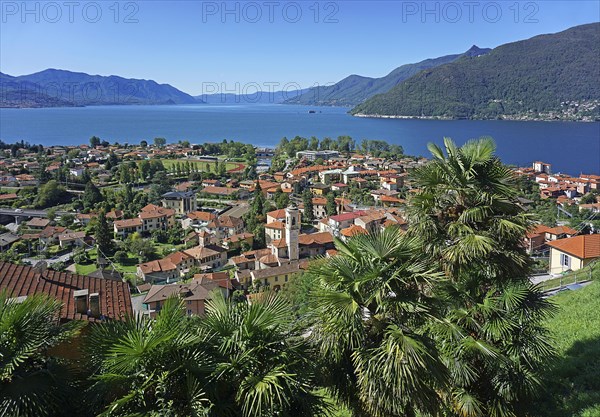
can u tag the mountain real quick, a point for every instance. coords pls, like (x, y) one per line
(52, 88)
(553, 76)
(260, 97)
(355, 89)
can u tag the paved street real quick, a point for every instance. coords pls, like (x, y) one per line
(27, 212)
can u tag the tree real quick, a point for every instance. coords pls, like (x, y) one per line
(31, 382)
(309, 215)
(143, 143)
(258, 203)
(51, 194)
(121, 256)
(161, 184)
(262, 364)
(160, 142)
(148, 367)
(282, 200)
(330, 207)
(142, 248)
(102, 235)
(470, 223)
(145, 169)
(94, 141)
(91, 196)
(371, 305)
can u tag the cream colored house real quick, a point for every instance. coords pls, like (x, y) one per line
(183, 202)
(573, 253)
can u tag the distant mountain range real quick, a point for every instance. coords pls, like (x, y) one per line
(355, 89)
(547, 77)
(554, 76)
(259, 97)
(60, 88)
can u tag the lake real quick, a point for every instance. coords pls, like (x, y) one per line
(570, 147)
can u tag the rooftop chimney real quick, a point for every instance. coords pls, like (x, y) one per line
(95, 304)
(81, 301)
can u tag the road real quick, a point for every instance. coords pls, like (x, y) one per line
(62, 258)
(28, 212)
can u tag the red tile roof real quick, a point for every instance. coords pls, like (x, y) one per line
(127, 223)
(582, 247)
(21, 280)
(277, 214)
(353, 230)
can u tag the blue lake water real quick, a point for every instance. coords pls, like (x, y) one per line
(570, 147)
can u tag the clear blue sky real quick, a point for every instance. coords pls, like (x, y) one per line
(188, 43)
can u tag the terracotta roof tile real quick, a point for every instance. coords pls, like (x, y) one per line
(21, 280)
(582, 247)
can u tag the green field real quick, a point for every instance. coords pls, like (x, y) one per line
(573, 381)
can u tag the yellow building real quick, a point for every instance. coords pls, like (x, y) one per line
(182, 202)
(573, 253)
(276, 277)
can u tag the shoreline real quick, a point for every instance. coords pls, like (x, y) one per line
(504, 118)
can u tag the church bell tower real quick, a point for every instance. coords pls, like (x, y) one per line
(292, 230)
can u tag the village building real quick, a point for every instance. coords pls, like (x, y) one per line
(182, 202)
(573, 253)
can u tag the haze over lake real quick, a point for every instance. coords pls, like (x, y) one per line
(569, 146)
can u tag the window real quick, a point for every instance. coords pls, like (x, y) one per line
(189, 302)
(276, 278)
(189, 312)
(286, 278)
(564, 260)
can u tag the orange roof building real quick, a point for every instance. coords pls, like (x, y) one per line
(573, 253)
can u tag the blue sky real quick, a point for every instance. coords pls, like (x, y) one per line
(196, 46)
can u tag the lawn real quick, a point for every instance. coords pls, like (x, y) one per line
(584, 274)
(127, 268)
(84, 269)
(573, 381)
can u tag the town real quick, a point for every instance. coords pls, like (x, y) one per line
(217, 266)
(182, 219)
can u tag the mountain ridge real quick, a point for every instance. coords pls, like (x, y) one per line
(57, 88)
(355, 89)
(546, 77)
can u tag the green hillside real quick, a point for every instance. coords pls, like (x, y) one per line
(355, 89)
(553, 76)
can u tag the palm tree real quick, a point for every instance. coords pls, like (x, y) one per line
(371, 304)
(148, 367)
(241, 359)
(467, 216)
(262, 363)
(32, 382)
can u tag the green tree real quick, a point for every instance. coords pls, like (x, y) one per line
(160, 142)
(91, 196)
(262, 365)
(103, 235)
(471, 224)
(309, 215)
(148, 367)
(94, 141)
(330, 207)
(51, 194)
(282, 200)
(33, 383)
(143, 249)
(371, 305)
(258, 202)
(145, 169)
